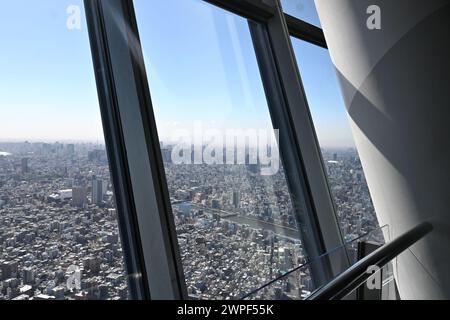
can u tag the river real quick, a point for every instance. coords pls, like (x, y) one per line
(281, 231)
(5, 154)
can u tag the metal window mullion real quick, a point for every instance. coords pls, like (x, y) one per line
(305, 31)
(124, 67)
(292, 163)
(322, 217)
(263, 10)
(257, 10)
(126, 215)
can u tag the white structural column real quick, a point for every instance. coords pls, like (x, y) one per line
(396, 85)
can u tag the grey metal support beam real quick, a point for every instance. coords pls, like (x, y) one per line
(115, 147)
(290, 155)
(263, 10)
(121, 76)
(305, 31)
(258, 10)
(322, 223)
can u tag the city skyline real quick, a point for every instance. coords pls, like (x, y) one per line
(56, 73)
(103, 143)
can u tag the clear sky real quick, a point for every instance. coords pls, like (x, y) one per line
(302, 9)
(47, 85)
(324, 95)
(199, 59)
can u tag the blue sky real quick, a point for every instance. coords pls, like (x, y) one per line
(302, 9)
(199, 59)
(47, 85)
(324, 96)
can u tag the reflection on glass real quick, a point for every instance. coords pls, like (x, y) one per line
(236, 226)
(59, 237)
(345, 173)
(296, 285)
(302, 9)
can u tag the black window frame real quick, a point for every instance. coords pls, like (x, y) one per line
(146, 220)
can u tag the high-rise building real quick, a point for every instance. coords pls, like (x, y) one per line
(97, 190)
(96, 155)
(78, 196)
(236, 199)
(7, 269)
(28, 275)
(24, 165)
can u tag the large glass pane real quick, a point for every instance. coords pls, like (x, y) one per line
(292, 285)
(345, 173)
(302, 9)
(59, 236)
(235, 221)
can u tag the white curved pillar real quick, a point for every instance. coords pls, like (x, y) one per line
(396, 84)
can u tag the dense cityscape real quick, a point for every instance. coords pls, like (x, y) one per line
(57, 214)
(237, 229)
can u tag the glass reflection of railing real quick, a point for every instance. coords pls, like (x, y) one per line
(297, 284)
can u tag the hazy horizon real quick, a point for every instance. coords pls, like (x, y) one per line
(49, 90)
(103, 144)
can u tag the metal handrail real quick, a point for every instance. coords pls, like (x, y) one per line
(357, 274)
(310, 261)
